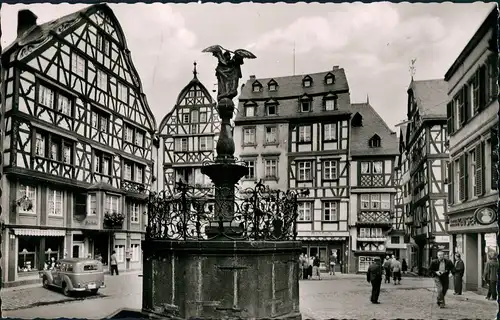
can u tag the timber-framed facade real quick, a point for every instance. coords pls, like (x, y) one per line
(78, 144)
(294, 132)
(473, 139)
(428, 156)
(188, 136)
(373, 152)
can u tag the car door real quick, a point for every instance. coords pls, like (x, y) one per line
(56, 274)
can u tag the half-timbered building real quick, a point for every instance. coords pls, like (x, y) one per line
(77, 149)
(373, 151)
(188, 136)
(473, 141)
(295, 130)
(402, 219)
(428, 155)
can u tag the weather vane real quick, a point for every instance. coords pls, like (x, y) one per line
(412, 67)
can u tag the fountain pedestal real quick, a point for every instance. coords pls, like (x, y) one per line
(243, 265)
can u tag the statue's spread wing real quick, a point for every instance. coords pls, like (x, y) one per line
(214, 48)
(245, 54)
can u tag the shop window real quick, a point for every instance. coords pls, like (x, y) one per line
(364, 263)
(136, 252)
(120, 253)
(28, 253)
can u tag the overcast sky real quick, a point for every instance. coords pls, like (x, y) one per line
(374, 43)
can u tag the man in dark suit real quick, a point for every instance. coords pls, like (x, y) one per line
(459, 274)
(374, 276)
(441, 269)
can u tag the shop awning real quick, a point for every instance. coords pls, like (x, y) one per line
(39, 232)
(321, 238)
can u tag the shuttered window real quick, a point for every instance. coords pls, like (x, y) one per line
(492, 76)
(450, 116)
(463, 178)
(464, 112)
(478, 185)
(450, 182)
(494, 158)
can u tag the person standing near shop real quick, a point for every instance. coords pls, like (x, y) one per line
(113, 264)
(441, 269)
(396, 271)
(490, 276)
(459, 274)
(387, 269)
(333, 261)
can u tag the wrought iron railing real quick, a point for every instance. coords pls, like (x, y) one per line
(260, 213)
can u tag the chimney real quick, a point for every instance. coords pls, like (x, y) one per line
(25, 20)
(252, 77)
(335, 68)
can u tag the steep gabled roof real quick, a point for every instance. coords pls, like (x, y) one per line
(372, 124)
(291, 86)
(42, 32)
(431, 97)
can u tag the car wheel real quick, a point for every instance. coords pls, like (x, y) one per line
(66, 290)
(94, 291)
(45, 282)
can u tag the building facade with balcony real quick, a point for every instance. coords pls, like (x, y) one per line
(373, 151)
(188, 136)
(77, 151)
(473, 141)
(294, 131)
(428, 156)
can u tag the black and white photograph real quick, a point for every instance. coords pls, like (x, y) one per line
(249, 161)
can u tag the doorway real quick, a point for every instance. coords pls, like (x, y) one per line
(78, 249)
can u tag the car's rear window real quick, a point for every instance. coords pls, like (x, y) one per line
(89, 267)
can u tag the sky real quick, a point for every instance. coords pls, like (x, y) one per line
(374, 43)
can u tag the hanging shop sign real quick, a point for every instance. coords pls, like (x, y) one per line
(485, 216)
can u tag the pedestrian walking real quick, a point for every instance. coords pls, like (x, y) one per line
(333, 261)
(316, 264)
(387, 269)
(459, 274)
(301, 266)
(396, 271)
(374, 276)
(113, 264)
(490, 276)
(441, 269)
(404, 266)
(310, 267)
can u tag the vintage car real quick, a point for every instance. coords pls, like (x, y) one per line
(74, 274)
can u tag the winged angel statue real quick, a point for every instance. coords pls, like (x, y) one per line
(228, 70)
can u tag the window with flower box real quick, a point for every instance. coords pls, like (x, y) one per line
(133, 171)
(112, 203)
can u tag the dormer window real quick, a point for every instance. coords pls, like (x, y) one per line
(272, 85)
(307, 81)
(375, 142)
(357, 120)
(250, 111)
(329, 78)
(271, 108)
(330, 101)
(256, 86)
(305, 104)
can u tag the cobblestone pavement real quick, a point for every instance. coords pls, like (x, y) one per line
(341, 297)
(348, 296)
(34, 296)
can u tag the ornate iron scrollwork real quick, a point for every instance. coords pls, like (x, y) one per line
(260, 213)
